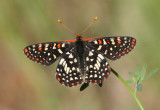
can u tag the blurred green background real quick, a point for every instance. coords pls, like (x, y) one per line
(26, 85)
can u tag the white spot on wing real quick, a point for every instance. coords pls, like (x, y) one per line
(61, 61)
(91, 76)
(95, 42)
(75, 60)
(95, 75)
(78, 70)
(67, 53)
(87, 59)
(91, 66)
(54, 56)
(105, 52)
(98, 63)
(71, 62)
(73, 68)
(99, 48)
(99, 55)
(75, 78)
(33, 46)
(112, 40)
(104, 42)
(60, 51)
(67, 70)
(90, 53)
(63, 45)
(96, 66)
(71, 56)
(54, 47)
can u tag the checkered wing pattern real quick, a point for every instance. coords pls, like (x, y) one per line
(68, 69)
(97, 67)
(46, 53)
(113, 47)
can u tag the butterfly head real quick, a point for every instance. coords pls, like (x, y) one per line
(79, 37)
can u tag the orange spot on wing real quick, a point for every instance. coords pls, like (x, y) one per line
(119, 54)
(90, 80)
(25, 50)
(27, 54)
(51, 46)
(33, 58)
(100, 81)
(127, 50)
(37, 59)
(104, 77)
(119, 41)
(107, 73)
(63, 82)
(66, 41)
(95, 80)
(91, 38)
(40, 48)
(123, 52)
(133, 40)
(67, 84)
(132, 45)
(77, 82)
(41, 61)
(109, 67)
(72, 84)
(58, 79)
(59, 45)
(56, 73)
(99, 41)
(108, 41)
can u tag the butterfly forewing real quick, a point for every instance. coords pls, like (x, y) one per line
(97, 67)
(46, 53)
(68, 69)
(113, 47)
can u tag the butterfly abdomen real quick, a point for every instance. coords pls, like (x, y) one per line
(80, 51)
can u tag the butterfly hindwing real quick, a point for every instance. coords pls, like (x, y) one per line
(46, 53)
(68, 69)
(113, 47)
(97, 67)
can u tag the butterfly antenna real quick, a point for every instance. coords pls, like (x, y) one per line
(66, 26)
(85, 29)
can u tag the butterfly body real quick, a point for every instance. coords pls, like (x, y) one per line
(82, 58)
(80, 48)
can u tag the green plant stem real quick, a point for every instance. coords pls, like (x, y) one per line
(128, 87)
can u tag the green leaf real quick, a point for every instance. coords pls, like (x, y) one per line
(151, 74)
(130, 74)
(139, 87)
(137, 70)
(130, 81)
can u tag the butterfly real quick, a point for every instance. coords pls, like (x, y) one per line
(81, 60)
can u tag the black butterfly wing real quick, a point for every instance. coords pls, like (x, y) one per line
(112, 47)
(46, 53)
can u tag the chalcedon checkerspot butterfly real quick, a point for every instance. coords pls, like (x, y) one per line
(82, 58)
